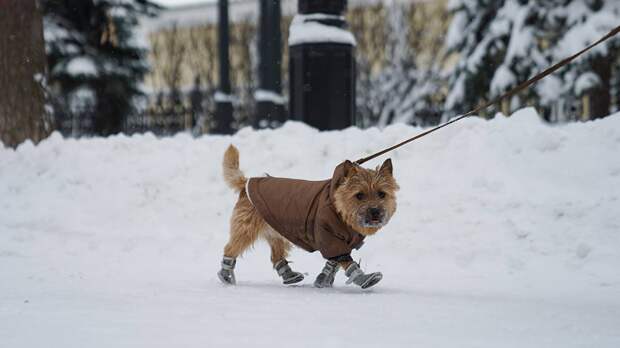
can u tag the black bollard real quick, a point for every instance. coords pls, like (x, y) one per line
(223, 98)
(269, 100)
(322, 66)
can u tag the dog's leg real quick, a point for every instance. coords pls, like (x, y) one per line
(241, 238)
(280, 247)
(325, 279)
(345, 264)
(279, 251)
(244, 227)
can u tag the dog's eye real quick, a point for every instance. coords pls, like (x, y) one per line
(359, 196)
(381, 194)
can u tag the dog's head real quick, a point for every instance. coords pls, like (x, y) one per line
(365, 198)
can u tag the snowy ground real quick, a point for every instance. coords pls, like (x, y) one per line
(507, 235)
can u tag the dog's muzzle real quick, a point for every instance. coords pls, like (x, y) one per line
(373, 217)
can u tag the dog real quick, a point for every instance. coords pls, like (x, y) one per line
(332, 216)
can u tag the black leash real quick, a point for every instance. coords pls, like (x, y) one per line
(510, 93)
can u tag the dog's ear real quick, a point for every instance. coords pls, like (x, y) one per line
(343, 170)
(349, 167)
(386, 167)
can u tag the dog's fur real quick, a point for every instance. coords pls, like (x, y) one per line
(361, 191)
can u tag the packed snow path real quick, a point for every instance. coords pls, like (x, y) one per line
(507, 235)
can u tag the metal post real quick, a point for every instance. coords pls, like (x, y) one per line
(269, 100)
(322, 65)
(223, 97)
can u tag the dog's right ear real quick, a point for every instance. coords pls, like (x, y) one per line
(343, 170)
(349, 167)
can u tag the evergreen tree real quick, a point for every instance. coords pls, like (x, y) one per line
(479, 50)
(578, 23)
(503, 43)
(520, 26)
(499, 43)
(400, 92)
(95, 59)
(399, 74)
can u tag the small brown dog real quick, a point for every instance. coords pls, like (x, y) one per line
(332, 216)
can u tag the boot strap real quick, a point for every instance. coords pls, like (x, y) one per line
(353, 272)
(228, 263)
(331, 267)
(282, 267)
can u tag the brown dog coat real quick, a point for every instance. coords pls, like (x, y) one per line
(303, 212)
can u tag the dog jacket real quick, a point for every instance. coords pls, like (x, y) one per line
(303, 212)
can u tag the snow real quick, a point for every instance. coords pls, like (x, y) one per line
(206, 13)
(81, 99)
(81, 66)
(59, 38)
(454, 36)
(53, 31)
(586, 27)
(549, 89)
(506, 235)
(306, 29)
(222, 97)
(270, 96)
(457, 93)
(585, 82)
(503, 80)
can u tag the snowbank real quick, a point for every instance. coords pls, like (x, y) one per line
(506, 236)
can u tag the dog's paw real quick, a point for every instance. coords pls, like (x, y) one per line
(294, 278)
(323, 281)
(227, 277)
(373, 279)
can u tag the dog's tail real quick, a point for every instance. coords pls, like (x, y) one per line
(233, 176)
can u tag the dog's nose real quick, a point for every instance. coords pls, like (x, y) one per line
(375, 213)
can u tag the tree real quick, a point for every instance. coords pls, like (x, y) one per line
(503, 43)
(22, 73)
(244, 69)
(479, 51)
(400, 74)
(367, 25)
(399, 62)
(203, 61)
(169, 51)
(410, 89)
(93, 53)
(578, 24)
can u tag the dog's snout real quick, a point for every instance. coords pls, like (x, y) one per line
(375, 213)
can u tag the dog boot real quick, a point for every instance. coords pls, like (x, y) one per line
(227, 273)
(325, 279)
(357, 276)
(288, 275)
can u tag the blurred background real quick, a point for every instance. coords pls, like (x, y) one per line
(104, 67)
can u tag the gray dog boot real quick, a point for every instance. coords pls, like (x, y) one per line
(325, 279)
(288, 275)
(357, 276)
(227, 273)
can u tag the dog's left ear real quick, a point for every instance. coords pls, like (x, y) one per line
(386, 167)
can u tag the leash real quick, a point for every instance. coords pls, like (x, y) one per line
(510, 93)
